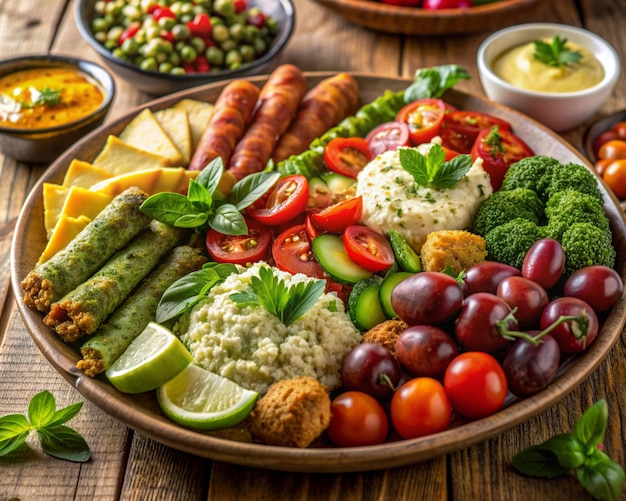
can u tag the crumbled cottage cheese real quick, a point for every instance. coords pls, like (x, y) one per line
(253, 348)
(392, 200)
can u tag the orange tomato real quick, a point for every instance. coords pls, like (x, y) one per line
(614, 176)
(620, 129)
(613, 149)
(601, 165)
(602, 138)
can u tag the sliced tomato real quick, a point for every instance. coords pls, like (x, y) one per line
(470, 123)
(388, 136)
(311, 229)
(454, 140)
(367, 248)
(424, 118)
(499, 149)
(292, 252)
(337, 217)
(288, 199)
(240, 249)
(347, 155)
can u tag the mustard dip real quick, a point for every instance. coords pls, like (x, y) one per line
(39, 98)
(519, 67)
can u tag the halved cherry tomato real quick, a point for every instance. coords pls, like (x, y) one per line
(367, 248)
(347, 155)
(240, 249)
(499, 149)
(614, 176)
(292, 252)
(339, 216)
(388, 136)
(446, 4)
(403, 3)
(312, 231)
(288, 198)
(424, 118)
(470, 123)
(613, 149)
(620, 129)
(455, 140)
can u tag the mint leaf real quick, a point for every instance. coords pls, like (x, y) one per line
(591, 426)
(64, 443)
(434, 81)
(555, 53)
(452, 171)
(14, 429)
(604, 480)
(41, 409)
(431, 170)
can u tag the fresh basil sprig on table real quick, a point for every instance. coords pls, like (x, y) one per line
(204, 206)
(556, 53)
(286, 303)
(580, 450)
(56, 439)
(432, 170)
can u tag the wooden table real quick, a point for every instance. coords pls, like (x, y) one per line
(126, 465)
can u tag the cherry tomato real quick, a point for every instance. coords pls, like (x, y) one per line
(499, 149)
(470, 123)
(614, 149)
(570, 337)
(446, 4)
(240, 249)
(367, 248)
(601, 165)
(485, 276)
(292, 252)
(620, 129)
(339, 216)
(372, 369)
(388, 136)
(599, 286)
(425, 350)
(347, 155)
(475, 384)
(420, 407)
(604, 137)
(544, 262)
(424, 118)
(455, 140)
(403, 3)
(288, 198)
(358, 419)
(527, 296)
(614, 176)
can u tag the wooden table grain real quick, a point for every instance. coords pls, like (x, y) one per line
(126, 465)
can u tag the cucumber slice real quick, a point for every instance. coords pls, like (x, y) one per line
(386, 288)
(364, 305)
(330, 253)
(406, 256)
(337, 183)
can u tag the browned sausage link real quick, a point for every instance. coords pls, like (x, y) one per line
(279, 101)
(323, 107)
(233, 110)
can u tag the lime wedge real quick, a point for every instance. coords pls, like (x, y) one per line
(200, 399)
(152, 359)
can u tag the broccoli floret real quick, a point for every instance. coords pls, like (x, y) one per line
(568, 207)
(502, 206)
(509, 242)
(575, 177)
(533, 173)
(585, 244)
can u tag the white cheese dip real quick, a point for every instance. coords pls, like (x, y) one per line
(392, 200)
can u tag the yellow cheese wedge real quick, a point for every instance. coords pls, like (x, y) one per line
(183, 186)
(64, 232)
(84, 202)
(84, 174)
(54, 196)
(144, 132)
(198, 113)
(175, 123)
(118, 157)
(142, 179)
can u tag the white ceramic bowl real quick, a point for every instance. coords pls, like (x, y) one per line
(559, 111)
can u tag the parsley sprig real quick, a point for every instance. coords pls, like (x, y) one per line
(432, 170)
(288, 303)
(579, 450)
(556, 53)
(56, 439)
(44, 97)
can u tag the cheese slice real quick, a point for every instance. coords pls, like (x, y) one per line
(84, 202)
(54, 196)
(118, 157)
(198, 113)
(144, 132)
(175, 123)
(143, 179)
(84, 174)
(64, 232)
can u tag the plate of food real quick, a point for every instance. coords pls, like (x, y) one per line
(453, 17)
(100, 170)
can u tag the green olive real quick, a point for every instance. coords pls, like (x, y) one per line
(119, 54)
(177, 70)
(100, 24)
(100, 36)
(220, 33)
(181, 32)
(198, 44)
(233, 57)
(215, 56)
(148, 64)
(175, 58)
(167, 23)
(130, 47)
(260, 46)
(165, 67)
(215, 21)
(225, 8)
(99, 7)
(228, 45)
(237, 32)
(131, 13)
(110, 44)
(247, 53)
(188, 54)
(251, 32)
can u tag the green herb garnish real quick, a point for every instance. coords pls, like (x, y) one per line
(556, 53)
(56, 439)
(434, 81)
(493, 142)
(45, 97)
(205, 207)
(579, 450)
(432, 170)
(286, 303)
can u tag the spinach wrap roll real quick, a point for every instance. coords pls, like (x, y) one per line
(81, 311)
(132, 316)
(110, 231)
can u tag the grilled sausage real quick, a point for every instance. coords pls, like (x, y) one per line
(278, 104)
(323, 107)
(232, 113)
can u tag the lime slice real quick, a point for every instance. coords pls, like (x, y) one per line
(200, 399)
(152, 359)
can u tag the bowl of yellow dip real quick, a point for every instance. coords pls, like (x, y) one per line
(558, 74)
(49, 102)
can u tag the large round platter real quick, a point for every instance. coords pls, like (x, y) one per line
(142, 413)
(375, 15)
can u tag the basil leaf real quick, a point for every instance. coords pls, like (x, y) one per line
(591, 426)
(603, 479)
(210, 177)
(14, 429)
(434, 81)
(41, 409)
(539, 461)
(64, 443)
(199, 196)
(64, 415)
(167, 207)
(251, 188)
(569, 451)
(229, 221)
(192, 220)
